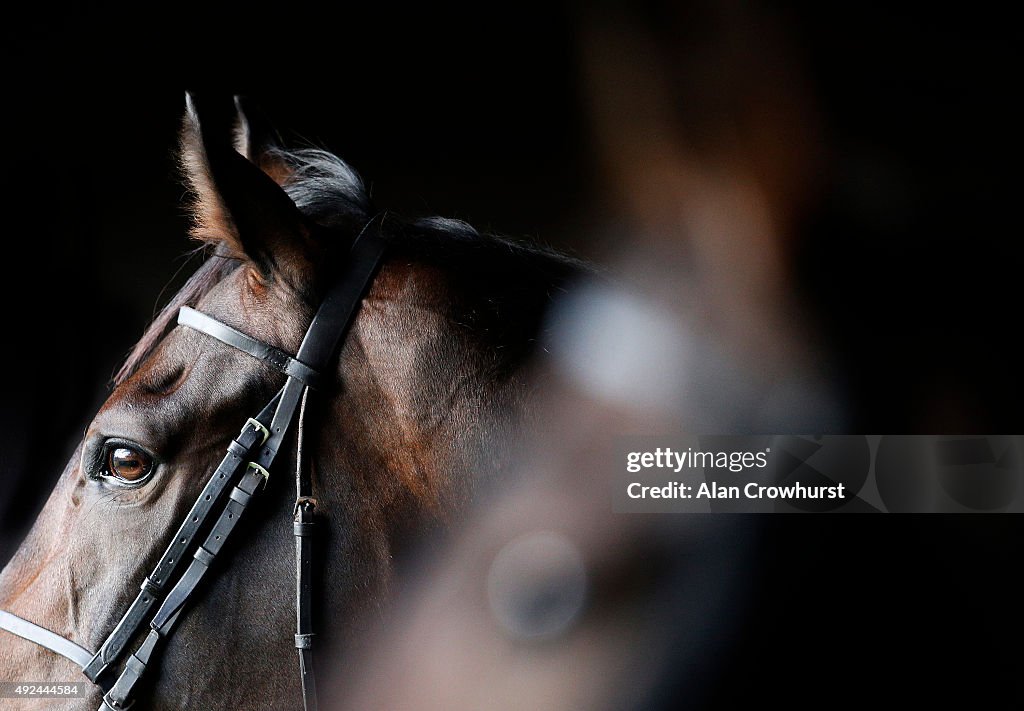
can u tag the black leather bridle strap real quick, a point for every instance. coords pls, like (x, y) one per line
(44, 637)
(329, 327)
(254, 433)
(119, 697)
(338, 307)
(303, 528)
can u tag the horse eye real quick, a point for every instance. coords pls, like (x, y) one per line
(128, 464)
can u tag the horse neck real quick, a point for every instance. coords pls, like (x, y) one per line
(397, 447)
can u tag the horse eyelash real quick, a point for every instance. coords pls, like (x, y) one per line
(95, 468)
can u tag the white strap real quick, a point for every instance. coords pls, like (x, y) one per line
(42, 636)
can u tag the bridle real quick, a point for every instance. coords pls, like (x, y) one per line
(249, 459)
(247, 464)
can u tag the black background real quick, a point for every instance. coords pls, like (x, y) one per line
(478, 113)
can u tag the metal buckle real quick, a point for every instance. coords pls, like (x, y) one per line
(303, 501)
(259, 427)
(112, 704)
(261, 470)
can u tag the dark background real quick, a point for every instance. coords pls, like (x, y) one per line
(912, 263)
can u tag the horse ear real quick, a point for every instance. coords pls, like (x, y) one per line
(256, 139)
(237, 206)
(244, 140)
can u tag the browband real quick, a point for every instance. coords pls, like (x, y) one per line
(291, 367)
(44, 637)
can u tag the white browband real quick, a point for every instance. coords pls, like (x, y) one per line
(44, 637)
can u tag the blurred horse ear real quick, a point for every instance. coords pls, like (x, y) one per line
(237, 206)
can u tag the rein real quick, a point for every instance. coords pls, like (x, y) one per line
(248, 462)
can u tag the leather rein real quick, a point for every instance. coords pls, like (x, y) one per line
(249, 459)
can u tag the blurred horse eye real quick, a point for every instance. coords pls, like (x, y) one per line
(128, 464)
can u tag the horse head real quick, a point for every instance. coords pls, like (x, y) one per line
(419, 400)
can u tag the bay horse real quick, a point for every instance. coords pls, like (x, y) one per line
(423, 397)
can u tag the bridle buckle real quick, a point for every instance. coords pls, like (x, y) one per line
(302, 502)
(110, 703)
(260, 469)
(259, 427)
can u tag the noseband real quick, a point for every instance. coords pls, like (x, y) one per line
(248, 462)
